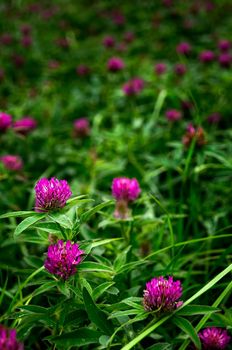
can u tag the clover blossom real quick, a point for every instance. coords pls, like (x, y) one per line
(8, 340)
(162, 294)
(62, 259)
(51, 194)
(12, 162)
(213, 338)
(5, 121)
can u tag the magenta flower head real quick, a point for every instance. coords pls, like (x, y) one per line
(206, 56)
(51, 194)
(173, 115)
(180, 69)
(160, 68)
(6, 39)
(26, 41)
(224, 45)
(115, 64)
(124, 190)
(81, 127)
(5, 121)
(184, 48)
(214, 118)
(62, 259)
(225, 60)
(109, 41)
(25, 29)
(133, 87)
(129, 37)
(12, 162)
(162, 294)
(213, 338)
(8, 340)
(82, 70)
(24, 125)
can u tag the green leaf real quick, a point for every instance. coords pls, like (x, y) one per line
(62, 220)
(18, 214)
(160, 346)
(90, 266)
(80, 337)
(27, 223)
(98, 291)
(98, 317)
(87, 215)
(190, 310)
(186, 327)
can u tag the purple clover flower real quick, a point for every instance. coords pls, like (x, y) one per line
(162, 294)
(206, 56)
(109, 41)
(81, 127)
(160, 68)
(12, 162)
(180, 69)
(133, 86)
(8, 340)
(224, 45)
(225, 60)
(184, 48)
(5, 121)
(82, 70)
(51, 194)
(24, 125)
(62, 259)
(213, 338)
(115, 64)
(124, 190)
(173, 115)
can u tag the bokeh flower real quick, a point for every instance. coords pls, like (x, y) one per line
(8, 340)
(173, 115)
(5, 121)
(12, 162)
(224, 45)
(213, 338)
(160, 68)
(133, 86)
(25, 125)
(81, 127)
(162, 294)
(192, 133)
(206, 56)
(108, 41)
(180, 69)
(51, 194)
(214, 118)
(82, 70)
(115, 64)
(225, 60)
(62, 259)
(184, 48)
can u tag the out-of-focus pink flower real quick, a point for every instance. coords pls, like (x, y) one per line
(53, 64)
(186, 105)
(129, 37)
(6, 39)
(206, 56)
(26, 41)
(160, 68)
(2, 74)
(18, 60)
(25, 125)
(192, 133)
(109, 41)
(124, 190)
(214, 118)
(118, 18)
(173, 115)
(115, 64)
(62, 42)
(81, 127)
(180, 69)
(225, 60)
(184, 48)
(8, 339)
(82, 70)
(25, 29)
(224, 45)
(5, 121)
(133, 86)
(167, 3)
(12, 162)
